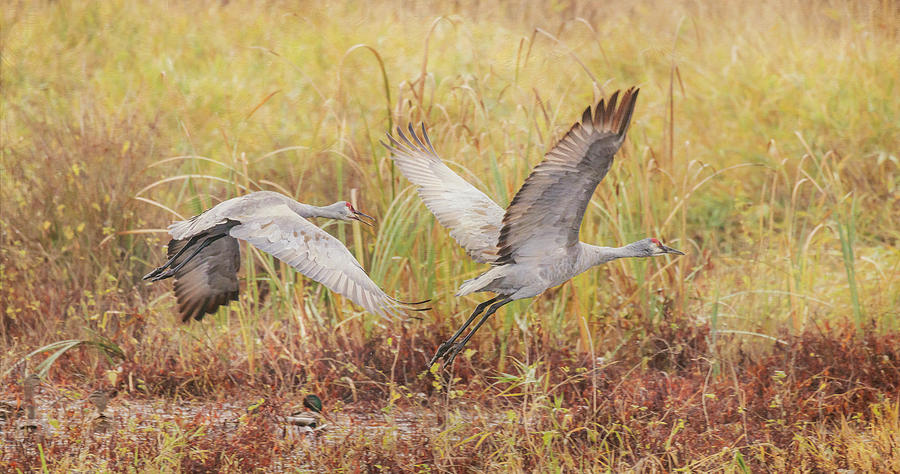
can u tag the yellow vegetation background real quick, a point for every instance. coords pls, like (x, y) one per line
(764, 145)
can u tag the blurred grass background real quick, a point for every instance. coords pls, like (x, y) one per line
(98, 95)
(764, 145)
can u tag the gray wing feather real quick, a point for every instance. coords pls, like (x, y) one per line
(472, 218)
(547, 210)
(279, 231)
(209, 280)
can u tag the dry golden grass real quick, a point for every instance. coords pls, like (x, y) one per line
(764, 144)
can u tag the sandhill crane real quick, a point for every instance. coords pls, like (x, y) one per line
(533, 245)
(204, 255)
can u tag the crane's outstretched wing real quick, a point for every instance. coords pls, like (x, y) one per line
(472, 218)
(315, 253)
(208, 280)
(547, 210)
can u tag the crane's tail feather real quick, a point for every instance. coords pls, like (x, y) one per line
(474, 285)
(427, 140)
(181, 229)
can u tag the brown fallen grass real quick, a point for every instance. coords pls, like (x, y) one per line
(819, 402)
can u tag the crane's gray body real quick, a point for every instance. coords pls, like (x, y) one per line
(528, 277)
(249, 207)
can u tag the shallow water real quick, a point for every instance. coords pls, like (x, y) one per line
(65, 418)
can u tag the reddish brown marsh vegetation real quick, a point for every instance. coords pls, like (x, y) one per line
(656, 409)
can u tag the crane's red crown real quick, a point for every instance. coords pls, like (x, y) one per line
(655, 241)
(349, 206)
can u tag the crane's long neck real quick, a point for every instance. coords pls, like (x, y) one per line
(332, 211)
(593, 255)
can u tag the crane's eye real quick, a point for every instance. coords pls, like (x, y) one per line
(349, 206)
(655, 241)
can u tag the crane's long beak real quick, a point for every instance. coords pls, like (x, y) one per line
(359, 216)
(671, 250)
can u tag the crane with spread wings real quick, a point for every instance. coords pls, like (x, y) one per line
(534, 244)
(204, 255)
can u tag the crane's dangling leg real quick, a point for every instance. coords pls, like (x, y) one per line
(168, 273)
(169, 262)
(449, 343)
(459, 347)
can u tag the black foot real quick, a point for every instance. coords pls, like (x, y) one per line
(153, 273)
(457, 348)
(159, 276)
(443, 349)
(448, 351)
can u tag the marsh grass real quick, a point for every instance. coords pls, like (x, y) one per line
(764, 145)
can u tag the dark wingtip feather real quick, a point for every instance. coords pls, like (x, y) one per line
(416, 137)
(404, 138)
(626, 110)
(395, 145)
(599, 113)
(611, 107)
(586, 116)
(427, 140)
(611, 119)
(614, 116)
